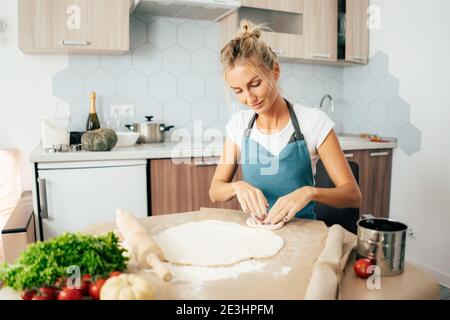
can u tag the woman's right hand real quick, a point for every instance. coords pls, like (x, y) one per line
(251, 199)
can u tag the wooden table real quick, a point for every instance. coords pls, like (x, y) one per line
(304, 241)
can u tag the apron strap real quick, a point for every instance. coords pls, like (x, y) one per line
(296, 136)
(250, 125)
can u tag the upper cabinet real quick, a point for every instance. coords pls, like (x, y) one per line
(74, 26)
(295, 6)
(320, 30)
(356, 31)
(284, 18)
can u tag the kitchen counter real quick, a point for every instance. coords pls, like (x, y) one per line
(183, 149)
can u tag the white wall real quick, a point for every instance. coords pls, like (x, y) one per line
(414, 34)
(25, 91)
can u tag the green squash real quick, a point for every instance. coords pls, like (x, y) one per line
(99, 140)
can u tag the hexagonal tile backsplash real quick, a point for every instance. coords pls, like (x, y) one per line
(173, 72)
(372, 104)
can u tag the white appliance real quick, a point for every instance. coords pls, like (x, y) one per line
(189, 9)
(74, 195)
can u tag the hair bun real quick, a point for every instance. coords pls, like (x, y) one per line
(249, 30)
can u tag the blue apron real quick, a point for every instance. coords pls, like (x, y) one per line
(280, 175)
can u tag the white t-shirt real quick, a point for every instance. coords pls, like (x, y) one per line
(314, 124)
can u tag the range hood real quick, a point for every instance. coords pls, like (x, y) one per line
(188, 9)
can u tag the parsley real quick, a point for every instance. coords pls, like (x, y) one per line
(42, 263)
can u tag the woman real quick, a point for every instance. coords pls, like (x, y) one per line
(277, 143)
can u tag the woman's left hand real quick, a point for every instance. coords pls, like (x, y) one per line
(287, 206)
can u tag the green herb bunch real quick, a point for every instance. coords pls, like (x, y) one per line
(43, 263)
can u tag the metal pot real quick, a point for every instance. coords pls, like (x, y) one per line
(382, 241)
(149, 132)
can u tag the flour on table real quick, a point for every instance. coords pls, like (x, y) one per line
(283, 271)
(216, 243)
(205, 274)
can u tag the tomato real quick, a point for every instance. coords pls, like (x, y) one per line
(41, 297)
(70, 294)
(360, 267)
(28, 294)
(86, 281)
(51, 292)
(61, 282)
(114, 274)
(95, 288)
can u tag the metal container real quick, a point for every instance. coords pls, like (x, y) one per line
(382, 241)
(149, 132)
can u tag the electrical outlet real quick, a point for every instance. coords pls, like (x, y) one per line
(3, 25)
(123, 111)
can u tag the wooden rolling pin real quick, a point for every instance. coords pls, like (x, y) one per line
(146, 251)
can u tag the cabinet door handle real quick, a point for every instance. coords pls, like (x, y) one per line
(205, 163)
(379, 154)
(359, 58)
(277, 51)
(43, 205)
(74, 43)
(322, 55)
(348, 155)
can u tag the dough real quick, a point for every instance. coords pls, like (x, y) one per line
(216, 243)
(252, 223)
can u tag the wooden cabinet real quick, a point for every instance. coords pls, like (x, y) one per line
(74, 26)
(35, 25)
(180, 187)
(277, 5)
(320, 30)
(375, 167)
(356, 31)
(284, 18)
(307, 30)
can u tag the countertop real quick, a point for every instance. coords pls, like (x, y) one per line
(183, 149)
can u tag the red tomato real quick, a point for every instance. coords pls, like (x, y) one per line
(28, 294)
(61, 282)
(360, 267)
(70, 294)
(41, 297)
(51, 292)
(86, 281)
(95, 288)
(114, 274)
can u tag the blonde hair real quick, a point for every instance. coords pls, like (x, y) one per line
(245, 46)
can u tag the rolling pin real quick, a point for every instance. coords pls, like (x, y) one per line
(146, 251)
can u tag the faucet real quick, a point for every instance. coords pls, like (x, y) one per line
(331, 102)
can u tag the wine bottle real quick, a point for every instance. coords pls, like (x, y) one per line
(92, 122)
